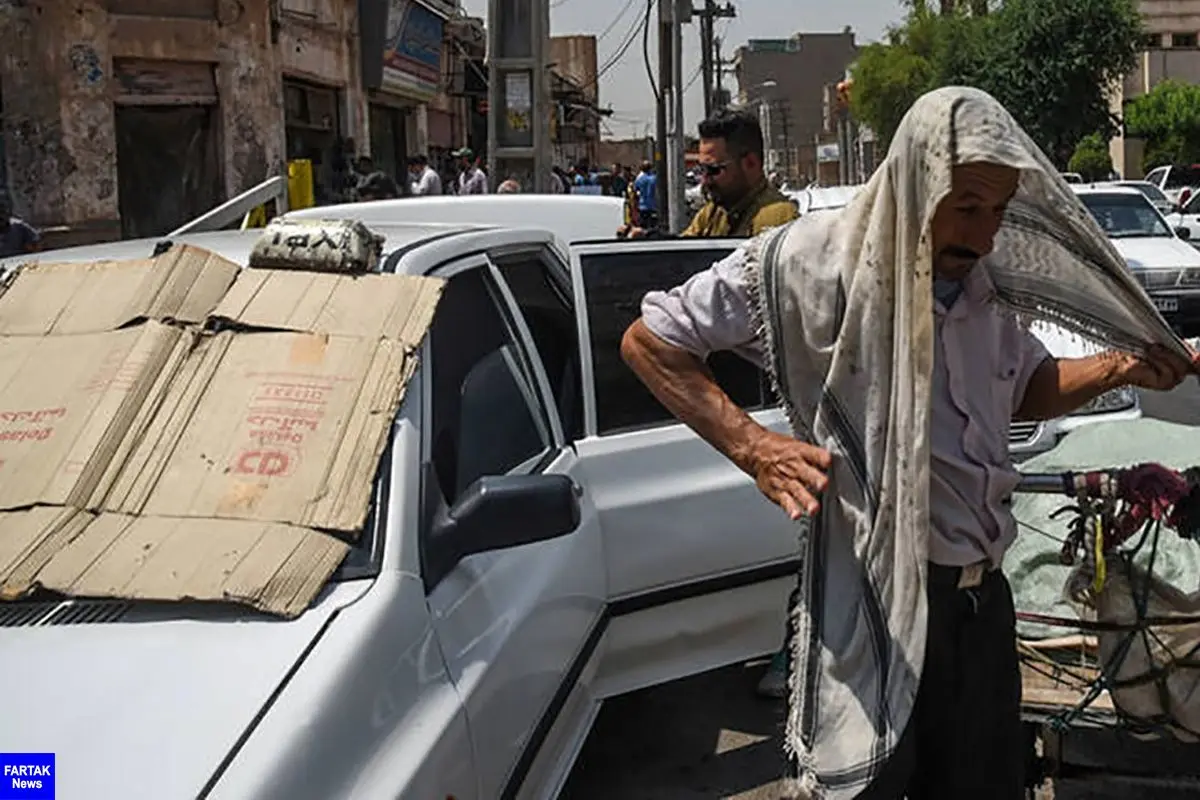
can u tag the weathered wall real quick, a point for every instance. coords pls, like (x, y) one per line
(56, 73)
(60, 144)
(624, 151)
(318, 42)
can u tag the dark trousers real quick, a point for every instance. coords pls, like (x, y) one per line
(964, 738)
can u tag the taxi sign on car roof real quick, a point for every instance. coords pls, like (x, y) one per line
(318, 245)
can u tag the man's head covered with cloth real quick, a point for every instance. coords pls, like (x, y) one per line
(845, 305)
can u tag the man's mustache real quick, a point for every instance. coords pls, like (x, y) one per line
(961, 252)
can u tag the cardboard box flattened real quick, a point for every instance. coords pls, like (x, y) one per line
(184, 284)
(66, 405)
(275, 568)
(259, 432)
(396, 307)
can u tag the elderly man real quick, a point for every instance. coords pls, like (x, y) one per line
(891, 331)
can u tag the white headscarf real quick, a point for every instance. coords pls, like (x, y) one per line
(846, 306)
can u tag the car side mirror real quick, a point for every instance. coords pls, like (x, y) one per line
(1184, 233)
(501, 511)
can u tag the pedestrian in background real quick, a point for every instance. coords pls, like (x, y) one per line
(471, 179)
(510, 186)
(17, 237)
(377, 186)
(424, 178)
(619, 181)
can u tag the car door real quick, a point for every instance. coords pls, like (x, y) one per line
(511, 623)
(699, 564)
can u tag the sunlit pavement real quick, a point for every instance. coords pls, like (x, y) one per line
(711, 737)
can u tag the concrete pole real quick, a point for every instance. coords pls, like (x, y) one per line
(676, 164)
(518, 81)
(665, 66)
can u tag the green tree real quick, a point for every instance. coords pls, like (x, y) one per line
(1168, 118)
(1053, 62)
(1050, 62)
(1091, 158)
(928, 50)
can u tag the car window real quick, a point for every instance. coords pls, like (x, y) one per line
(1193, 205)
(541, 287)
(615, 283)
(1152, 192)
(485, 417)
(1179, 177)
(1125, 216)
(1156, 176)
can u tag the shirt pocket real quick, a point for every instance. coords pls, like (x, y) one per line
(1004, 370)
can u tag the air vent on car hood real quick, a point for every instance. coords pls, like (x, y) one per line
(62, 612)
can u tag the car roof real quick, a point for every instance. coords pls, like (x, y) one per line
(1102, 188)
(573, 217)
(411, 248)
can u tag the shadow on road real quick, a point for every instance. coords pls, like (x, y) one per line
(705, 738)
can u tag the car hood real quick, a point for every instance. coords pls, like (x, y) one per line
(147, 705)
(1157, 252)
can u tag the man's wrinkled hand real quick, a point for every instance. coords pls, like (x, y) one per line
(1160, 369)
(790, 473)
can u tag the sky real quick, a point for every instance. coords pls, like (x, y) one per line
(625, 87)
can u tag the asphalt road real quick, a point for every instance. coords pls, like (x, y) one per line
(710, 737)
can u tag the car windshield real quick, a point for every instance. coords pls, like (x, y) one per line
(1152, 192)
(1125, 216)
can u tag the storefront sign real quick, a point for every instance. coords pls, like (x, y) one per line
(412, 56)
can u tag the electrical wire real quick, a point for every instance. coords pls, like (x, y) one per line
(626, 43)
(646, 51)
(616, 20)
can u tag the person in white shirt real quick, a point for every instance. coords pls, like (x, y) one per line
(425, 180)
(471, 179)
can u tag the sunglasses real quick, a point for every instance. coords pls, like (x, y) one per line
(713, 170)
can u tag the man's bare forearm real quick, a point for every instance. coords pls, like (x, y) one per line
(684, 384)
(1060, 386)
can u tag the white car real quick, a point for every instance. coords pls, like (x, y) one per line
(1178, 183)
(545, 536)
(1153, 194)
(1162, 260)
(823, 198)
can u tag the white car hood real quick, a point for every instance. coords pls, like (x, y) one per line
(147, 706)
(1157, 252)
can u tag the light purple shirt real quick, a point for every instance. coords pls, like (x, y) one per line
(983, 361)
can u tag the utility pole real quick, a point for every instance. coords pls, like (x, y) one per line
(706, 53)
(710, 62)
(680, 11)
(719, 67)
(665, 67)
(519, 94)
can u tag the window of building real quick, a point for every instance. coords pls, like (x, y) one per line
(616, 283)
(1183, 40)
(1152, 41)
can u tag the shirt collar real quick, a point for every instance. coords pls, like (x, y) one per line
(978, 290)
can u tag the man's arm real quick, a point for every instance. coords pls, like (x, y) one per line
(1058, 386)
(666, 348)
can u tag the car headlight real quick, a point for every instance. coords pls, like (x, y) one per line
(1116, 400)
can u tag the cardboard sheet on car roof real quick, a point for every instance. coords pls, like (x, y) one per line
(178, 428)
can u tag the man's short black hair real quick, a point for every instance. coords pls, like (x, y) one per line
(417, 160)
(378, 186)
(739, 129)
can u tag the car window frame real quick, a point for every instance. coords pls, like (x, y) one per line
(560, 275)
(431, 501)
(583, 322)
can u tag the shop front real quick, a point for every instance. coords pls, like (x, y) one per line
(312, 125)
(402, 43)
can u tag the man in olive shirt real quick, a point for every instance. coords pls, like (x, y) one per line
(741, 202)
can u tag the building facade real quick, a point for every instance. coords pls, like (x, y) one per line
(784, 82)
(575, 92)
(126, 118)
(1171, 52)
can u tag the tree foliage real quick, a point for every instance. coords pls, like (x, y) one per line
(1091, 158)
(1049, 62)
(1168, 118)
